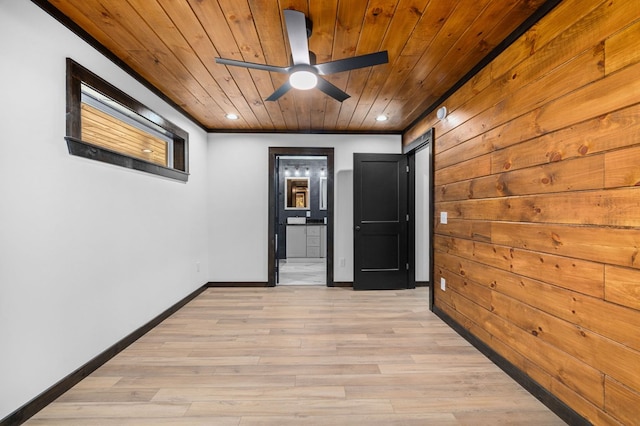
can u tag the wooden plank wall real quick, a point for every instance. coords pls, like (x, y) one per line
(538, 167)
(104, 130)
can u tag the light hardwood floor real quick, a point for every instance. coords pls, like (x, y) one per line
(296, 355)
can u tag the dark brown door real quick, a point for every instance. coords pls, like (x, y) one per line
(380, 221)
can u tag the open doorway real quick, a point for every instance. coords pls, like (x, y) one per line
(300, 216)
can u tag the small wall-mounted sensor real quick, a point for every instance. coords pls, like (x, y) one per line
(441, 113)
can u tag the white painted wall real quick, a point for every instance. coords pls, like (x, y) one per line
(239, 202)
(422, 172)
(88, 252)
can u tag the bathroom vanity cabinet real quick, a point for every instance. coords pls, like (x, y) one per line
(306, 241)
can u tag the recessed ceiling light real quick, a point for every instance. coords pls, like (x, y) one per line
(382, 118)
(232, 116)
(147, 150)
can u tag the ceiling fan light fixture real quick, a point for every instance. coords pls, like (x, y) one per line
(303, 80)
(304, 70)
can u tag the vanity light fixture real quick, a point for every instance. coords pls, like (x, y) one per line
(382, 117)
(297, 171)
(322, 172)
(286, 171)
(232, 116)
(306, 172)
(441, 113)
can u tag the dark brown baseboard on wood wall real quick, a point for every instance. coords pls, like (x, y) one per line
(237, 284)
(552, 402)
(28, 410)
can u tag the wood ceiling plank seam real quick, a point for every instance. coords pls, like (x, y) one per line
(457, 24)
(279, 54)
(269, 27)
(302, 102)
(210, 16)
(433, 19)
(529, 42)
(241, 23)
(577, 61)
(159, 51)
(165, 58)
(176, 42)
(465, 20)
(442, 42)
(399, 28)
(325, 23)
(349, 19)
(486, 74)
(551, 49)
(341, 80)
(357, 81)
(430, 25)
(474, 34)
(318, 106)
(404, 25)
(347, 47)
(323, 15)
(186, 21)
(508, 21)
(332, 109)
(99, 13)
(165, 50)
(375, 27)
(441, 77)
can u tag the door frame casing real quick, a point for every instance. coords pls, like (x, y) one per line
(293, 151)
(424, 141)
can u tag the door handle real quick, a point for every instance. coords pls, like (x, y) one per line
(357, 227)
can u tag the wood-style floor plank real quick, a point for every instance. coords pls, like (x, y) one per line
(296, 355)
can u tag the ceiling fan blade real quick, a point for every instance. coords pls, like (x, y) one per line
(297, 33)
(280, 92)
(331, 90)
(356, 62)
(252, 65)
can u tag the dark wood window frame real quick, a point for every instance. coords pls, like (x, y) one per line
(78, 75)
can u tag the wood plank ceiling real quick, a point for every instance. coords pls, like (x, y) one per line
(172, 44)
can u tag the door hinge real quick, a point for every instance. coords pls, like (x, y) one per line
(407, 218)
(407, 266)
(407, 169)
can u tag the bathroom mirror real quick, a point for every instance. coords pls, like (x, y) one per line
(297, 193)
(323, 193)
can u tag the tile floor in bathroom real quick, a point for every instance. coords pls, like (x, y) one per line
(303, 273)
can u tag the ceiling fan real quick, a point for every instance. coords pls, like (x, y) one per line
(305, 74)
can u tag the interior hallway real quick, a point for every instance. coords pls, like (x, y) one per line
(296, 355)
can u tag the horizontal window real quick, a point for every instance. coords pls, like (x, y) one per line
(105, 124)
